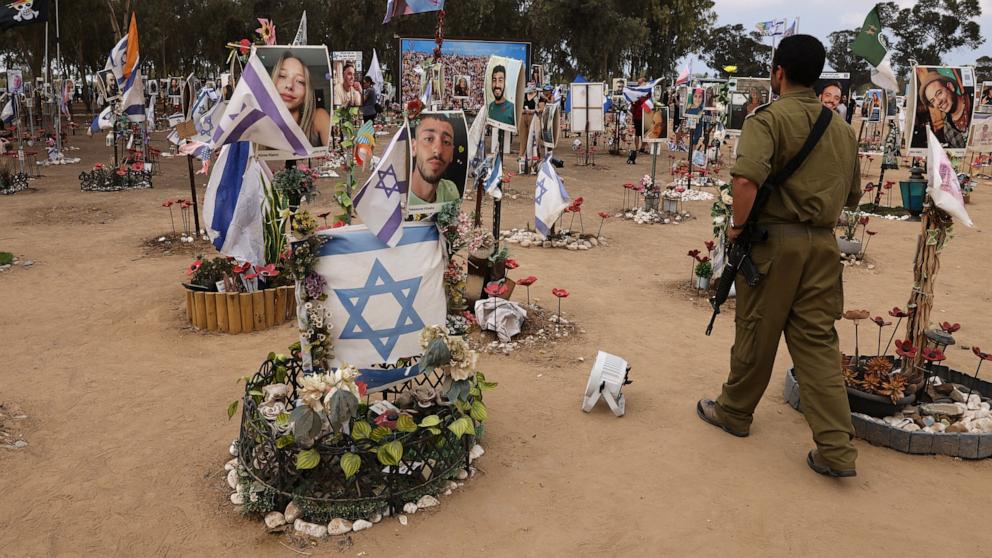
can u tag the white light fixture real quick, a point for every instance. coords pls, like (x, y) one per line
(607, 378)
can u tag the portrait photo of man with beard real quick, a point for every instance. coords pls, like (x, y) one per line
(944, 101)
(438, 166)
(504, 84)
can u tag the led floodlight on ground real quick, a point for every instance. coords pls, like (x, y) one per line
(607, 378)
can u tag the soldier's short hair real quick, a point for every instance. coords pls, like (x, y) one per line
(802, 57)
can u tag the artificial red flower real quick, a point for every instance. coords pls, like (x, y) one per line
(338, 224)
(603, 215)
(888, 184)
(897, 312)
(384, 420)
(267, 270)
(527, 281)
(710, 245)
(933, 355)
(703, 259)
(121, 171)
(138, 166)
(194, 267)
(497, 290)
(363, 388)
(560, 293)
(511, 264)
(863, 220)
(186, 204)
(167, 203)
(245, 46)
(871, 233)
(983, 356)
(469, 317)
(949, 327)
(880, 322)
(694, 254)
(905, 349)
(98, 166)
(241, 268)
(869, 187)
(251, 276)
(414, 108)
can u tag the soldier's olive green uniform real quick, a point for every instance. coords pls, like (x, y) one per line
(800, 292)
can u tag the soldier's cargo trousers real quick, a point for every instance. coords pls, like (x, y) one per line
(800, 294)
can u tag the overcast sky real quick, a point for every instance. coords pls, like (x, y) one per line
(822, 17)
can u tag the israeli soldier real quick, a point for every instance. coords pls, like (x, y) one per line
(800, 291)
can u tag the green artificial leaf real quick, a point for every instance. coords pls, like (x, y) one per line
(430, 420)
(256, 392)
(271, 356)
(360, 430)
(343, 406)
(379, 433)
(232, 408)
(475, 392)
(479, 411)
(350, 463)
(307, 459)
(390, 453)
(486, 386)
(283, 441)
(437, 354)
(458, 428)
(280, 374)
(347, 143)
(282, 419)
(405, 424)
(306, 425)
(434, 431)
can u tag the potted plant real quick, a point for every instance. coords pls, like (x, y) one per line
(673, 194)
(849, 222)
(296, 183)
(703, 272)
(877, 385)
(652, 193)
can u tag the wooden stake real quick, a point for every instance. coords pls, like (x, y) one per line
(258, 310)
(246, 320)
(926, 264)
(221, 301)
(200, 310)
(189, 306)
(270, 307)
(281, 294)
(210, 305)
(233, 312)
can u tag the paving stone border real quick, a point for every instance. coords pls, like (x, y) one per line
(966, 445)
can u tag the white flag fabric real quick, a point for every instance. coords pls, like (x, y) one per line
(102, 121)
(635, 92)
(683, 76)
(426, 97)
(380, 298)
(256, 113)
(533, 138)
(301, 32)
(884, 76)
(379, 202)
(550, 198)
(125, 62)
(375, 72)
(477, 144)
(943, 187)
(232, 206)
(494, 181)
(8, 113)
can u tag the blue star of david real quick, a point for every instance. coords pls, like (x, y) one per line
(380, 282)
(385, 187)
(541, 190)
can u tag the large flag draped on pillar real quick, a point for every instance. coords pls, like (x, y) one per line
(125, 61)
(550, 198)
(868, 45)
(256, 113)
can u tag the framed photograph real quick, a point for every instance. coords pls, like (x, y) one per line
(941, 99)
(437, 81)
(107, 82)
(537, 75)
(462, 87)
(15, 82)
(301, 75)
(834, 91)
(618, 85)
(438, 161)
(695, 100)
(504, 92)
(984, 104)
(551, 124)
(347, 84)
(654, 124)
(874, 105)
(981, 133)
(152, 88)
(747, 95)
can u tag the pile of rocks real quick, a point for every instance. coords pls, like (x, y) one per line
(643, 216)
(566, 239)
(963, 413)
(23, 263)
(291, 518)
(693, 194)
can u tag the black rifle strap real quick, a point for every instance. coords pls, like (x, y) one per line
(819, 128)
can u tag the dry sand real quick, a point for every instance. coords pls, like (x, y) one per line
(128, 434)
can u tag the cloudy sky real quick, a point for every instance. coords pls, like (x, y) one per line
(822, 17)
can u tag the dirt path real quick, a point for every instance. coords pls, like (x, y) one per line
(128, 434)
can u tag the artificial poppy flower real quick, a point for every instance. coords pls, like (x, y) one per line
(871, 233)
(363, 388)
(864, 220)
(694, 254)
(905, 348)
(98, 166)
(138, 166)
(710, 245)
(949, 327)
(978, 352)
(933, 355)
(603, 215)
(167, 203)
(245, 47)
(511, 263)
(560, 293)
(385, 421)
(527, 281)
(194, 267)
(880, 322)
(242, 267)
(498, 290)
(338, 224)
(267, 270)
(628, 186)
(251, 276)
(469, 317)
(121, 171)
(897, 312)
(856, 315)
(186, 204)
(869, 187)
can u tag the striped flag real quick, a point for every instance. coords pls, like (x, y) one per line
(550, 198)
(477, 144)
(426, 97)
(684, 76)
(232, 207)
(495, 178)
(792, 29)
(102, 121)
(634, 92)
(124, 61)
(379, 202)
(8, 113)
(256, 113)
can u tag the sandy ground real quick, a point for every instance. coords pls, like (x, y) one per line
(128, 434)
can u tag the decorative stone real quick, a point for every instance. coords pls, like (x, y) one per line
(20, 444)
(593, 242)
(462, 474)
(376, 517)
(339, 526)
(451, 485)
(233, 450)
(910, 426)
(410, 508)
(475, 453)
(983, 425)
(958, 395)
(946, 409)
(274, 519)
(361, 525)
(957, 427)
(292, 512)
(237, 498)
(427, 501)
(232, 478)
(525, 244)
(232, 464)
(310, 529)
(402, 519)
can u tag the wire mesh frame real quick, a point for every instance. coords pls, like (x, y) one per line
(18, 182)
(427, 460)
(107, 180)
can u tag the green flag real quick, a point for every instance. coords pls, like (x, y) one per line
(869, 45)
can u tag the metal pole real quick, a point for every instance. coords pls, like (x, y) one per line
(192, 193)
(58, 62)
(497, 204)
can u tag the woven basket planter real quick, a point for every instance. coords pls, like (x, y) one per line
(241, 312)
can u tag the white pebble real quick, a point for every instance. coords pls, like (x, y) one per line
(311, 529)
(410, 508)
(427, 501)
(376, 517)
(237, 498)
(232, 478)
(292, 512)
(475, 453)
(361, 525)
(234, 448)
(339, 526)
(274, 519)
(462, 474)
(402, 519)
(232, 464)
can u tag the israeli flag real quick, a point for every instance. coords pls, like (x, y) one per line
(232, 207)
(256, 113)
(495, 179)
(550, 198)
(477, 144)
(426, 97)
(380, 298)
(9, 112)
(634, 92)
(102, 121)
(379, 202)
(125, 61)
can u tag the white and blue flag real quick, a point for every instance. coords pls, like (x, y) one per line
(477, 144)
(494, 181)
(232, 206)
(125, 62)
(550, 198)
(380, 298)
(379, 202)
(102, 121)
(634, 92)
(8, 113)
(256, 113)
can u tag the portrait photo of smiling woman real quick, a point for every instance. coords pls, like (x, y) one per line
(301, 76)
